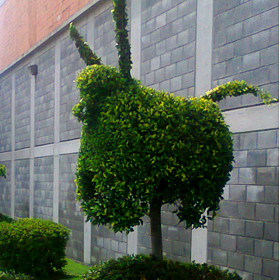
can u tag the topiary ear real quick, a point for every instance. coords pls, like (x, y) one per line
(85, 51)
(120, 17)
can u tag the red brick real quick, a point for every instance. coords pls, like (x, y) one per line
(23, 25)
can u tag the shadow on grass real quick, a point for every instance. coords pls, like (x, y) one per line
(72, 270)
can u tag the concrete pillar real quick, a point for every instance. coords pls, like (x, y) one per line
(13, 109)
(87, 225)
(32, 145)
(135, 40)
(56, 133)
(203, 82)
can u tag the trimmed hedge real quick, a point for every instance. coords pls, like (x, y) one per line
(142, 267)
(33, 246)
(12, 276)
(4, 218)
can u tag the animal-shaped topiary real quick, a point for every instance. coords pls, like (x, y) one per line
(2, 171)
(142, 148)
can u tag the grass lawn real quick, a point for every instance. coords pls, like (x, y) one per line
(72, 270)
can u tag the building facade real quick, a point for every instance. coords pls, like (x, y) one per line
(180, 46)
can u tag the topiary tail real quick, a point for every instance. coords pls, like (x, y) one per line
(237, 88)
(85, 51)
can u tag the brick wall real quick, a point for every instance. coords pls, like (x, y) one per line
(30, 21)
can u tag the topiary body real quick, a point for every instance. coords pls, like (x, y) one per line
(141, 147)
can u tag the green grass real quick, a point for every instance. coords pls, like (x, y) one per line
(72, 271)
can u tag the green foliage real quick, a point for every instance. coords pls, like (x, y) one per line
(32, 246)
(4, 218)
(123, 46)
(142, 267)
(237, 88)
(2, 171)
(86, 53)
(139, 145)
(13, 276)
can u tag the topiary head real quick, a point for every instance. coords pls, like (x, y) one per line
(96, 83)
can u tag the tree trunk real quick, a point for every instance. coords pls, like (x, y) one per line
(156, 236)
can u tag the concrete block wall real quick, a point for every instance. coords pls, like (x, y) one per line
(22, 194)
(44, 99)
(168, 45)
(176, 239)
(105, 244)
(104, 38)
(5, 190)
(5, 116)
(244, 236)
(22, 108)
(43, 187)
(40, 144)
(70, 214)
(70, 66)
(245, 46)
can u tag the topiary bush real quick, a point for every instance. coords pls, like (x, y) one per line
(142, 267)
(2, 171)
(33, 246)
(4, 218)
(142, 148)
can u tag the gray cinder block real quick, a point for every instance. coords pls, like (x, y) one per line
(257, 158)
(254, 229)
(228, 242)
(265, 212)
(219, 257)
(253, 264)
(247, 176)
(236, 260)
(267, 176)
(245, 245)
(237, 226)
(271, 268)
(271, 231)
(263, 248)
(248, 141)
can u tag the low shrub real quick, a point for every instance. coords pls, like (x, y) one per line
(142, 267)
(33, 246)
(12, 276)
(4, 218)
